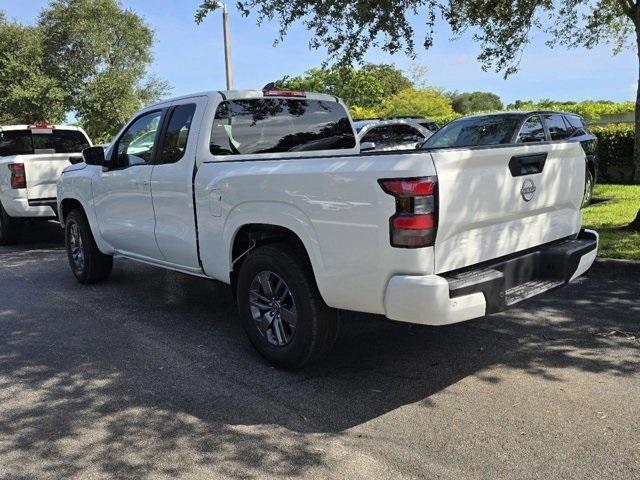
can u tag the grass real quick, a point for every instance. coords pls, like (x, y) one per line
(614, 207)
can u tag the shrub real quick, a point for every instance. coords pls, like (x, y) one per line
(589, 109)
(424, 102)
(615, 151)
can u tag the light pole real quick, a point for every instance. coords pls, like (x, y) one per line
(227, 44)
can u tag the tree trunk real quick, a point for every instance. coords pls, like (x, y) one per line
(635, 173)
(635, 225)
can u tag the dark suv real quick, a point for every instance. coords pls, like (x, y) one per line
(521, 127)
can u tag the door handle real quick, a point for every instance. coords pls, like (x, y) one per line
(144, 184)
(521, 165)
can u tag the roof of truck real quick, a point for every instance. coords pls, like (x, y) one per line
(7, 128)
(246, 94)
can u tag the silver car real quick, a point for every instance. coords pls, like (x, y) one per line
(391, 135)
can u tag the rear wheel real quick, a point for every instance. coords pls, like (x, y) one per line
(10, 228)
(87, 262)
(281, 309)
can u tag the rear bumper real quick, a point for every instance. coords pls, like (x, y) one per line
(490, 287)
(25, 208)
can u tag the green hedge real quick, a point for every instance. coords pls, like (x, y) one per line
(615, 152)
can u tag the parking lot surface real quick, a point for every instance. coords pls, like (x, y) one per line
(149, 375)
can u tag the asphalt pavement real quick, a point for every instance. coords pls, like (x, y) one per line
(149, 375)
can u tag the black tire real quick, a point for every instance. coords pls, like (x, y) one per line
(588, 189)
(316, 327)
(10, 228)
(87, 262)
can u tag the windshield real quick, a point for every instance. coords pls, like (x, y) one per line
(469, 132)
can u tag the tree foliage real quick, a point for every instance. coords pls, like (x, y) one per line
(471, 102)
(365, 87)
(349, 28)
(26, 93)
(86, 57)
(589, 109)
(425, 102)
(373, 91)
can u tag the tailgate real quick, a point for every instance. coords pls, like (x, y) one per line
(496, 201)
(42, 172)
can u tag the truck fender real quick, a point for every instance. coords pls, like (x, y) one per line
(103, 246)
(280, 215)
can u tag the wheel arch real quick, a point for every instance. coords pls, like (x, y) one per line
(268, 222)
(70, 203)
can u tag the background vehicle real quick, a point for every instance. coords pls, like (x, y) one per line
(387, 135)
(522, 127)
(268, 192)
(32, 158)
(427, 123)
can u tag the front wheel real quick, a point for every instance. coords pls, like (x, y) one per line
(281, 309)
(87, 262)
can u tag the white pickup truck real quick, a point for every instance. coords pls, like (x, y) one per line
(32, 158)
(268, 192)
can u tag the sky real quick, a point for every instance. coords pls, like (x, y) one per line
(191, 58)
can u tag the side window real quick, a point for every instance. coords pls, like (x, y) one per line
(375, 135)
(401, 134)
(270, 125)
(557, 128)
(577, 128)
(136, 145)
(532, 131)
(175, 139)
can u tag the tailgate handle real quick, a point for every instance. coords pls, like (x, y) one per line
(521, 165)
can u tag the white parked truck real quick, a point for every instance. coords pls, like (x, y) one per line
(267, 191)
(32, 158)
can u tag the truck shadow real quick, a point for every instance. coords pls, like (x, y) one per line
(130, 376)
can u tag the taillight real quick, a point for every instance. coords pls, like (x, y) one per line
(18, 178)
(415, 222)
(283, 93)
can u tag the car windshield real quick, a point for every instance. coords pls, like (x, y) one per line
(469, 132)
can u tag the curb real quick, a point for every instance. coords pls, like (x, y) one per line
(613, 267)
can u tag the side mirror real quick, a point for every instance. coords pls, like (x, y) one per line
(76, 159)
(93, 156)
(367, 146)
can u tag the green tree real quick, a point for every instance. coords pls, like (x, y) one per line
(470, 102)
(426, 102)
(365, 87)
(100, 54)
(503, 28)
(27, 94)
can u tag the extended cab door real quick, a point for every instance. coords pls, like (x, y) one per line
(172, 184)
(122, 194)
(502, 199)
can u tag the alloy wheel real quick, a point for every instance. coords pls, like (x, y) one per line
(272, 308)
(76, 247)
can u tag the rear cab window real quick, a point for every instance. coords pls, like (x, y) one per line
(41, 141)
(272, 125)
